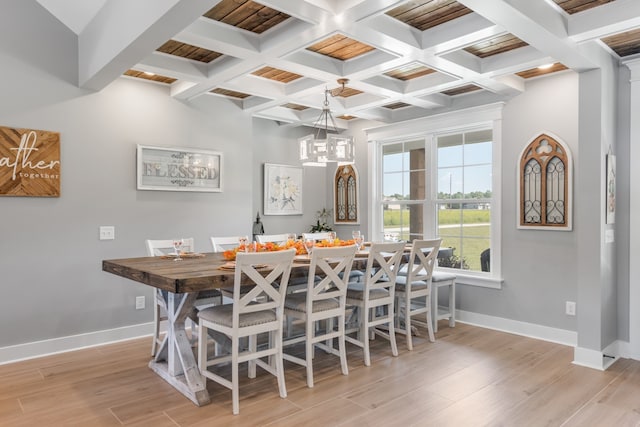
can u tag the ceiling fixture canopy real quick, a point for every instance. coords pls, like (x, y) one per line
(316, 150)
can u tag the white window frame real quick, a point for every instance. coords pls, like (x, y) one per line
(488, 117)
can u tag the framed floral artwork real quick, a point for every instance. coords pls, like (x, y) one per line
(282, 190)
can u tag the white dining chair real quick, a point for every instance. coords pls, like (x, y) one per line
(373, 298)
(276, 238)
(317, 236)
(413, 290)
(258, 311)
(221, 244)
(439, 280)
(354, 275)
(324, 300)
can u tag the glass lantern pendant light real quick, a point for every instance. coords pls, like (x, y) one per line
(316, 150)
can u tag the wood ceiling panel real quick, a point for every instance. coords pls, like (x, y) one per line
(624, 44)
(246, 14)
(495, 45)
(425, 14)
(153, 77)
(230, 93)
(575, 6)
(462, 89)
(409, 72)
(396, 105)
(347, 117)
(188, 51)
(276, 74)
(536, 72)
(296, 107)
(340, 47)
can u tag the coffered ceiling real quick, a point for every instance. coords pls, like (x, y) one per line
(403, 59)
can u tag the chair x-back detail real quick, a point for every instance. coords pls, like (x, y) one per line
(323, 300)
(255, 311)
(374, 296)
(413, 291)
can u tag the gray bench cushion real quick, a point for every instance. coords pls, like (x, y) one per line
(298, 302)
(223, 315)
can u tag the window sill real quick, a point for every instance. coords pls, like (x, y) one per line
(473, 280)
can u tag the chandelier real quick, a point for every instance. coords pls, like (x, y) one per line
(318, 151)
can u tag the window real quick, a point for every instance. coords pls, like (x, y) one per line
(439, 176)
(403, 181)
(458, 209)
(463, 200)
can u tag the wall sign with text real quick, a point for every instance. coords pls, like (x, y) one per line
(179, 169)
(29, 162)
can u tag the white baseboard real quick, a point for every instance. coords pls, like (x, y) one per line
(584, 357)
(545, 333)
(32, 350)
(600, 360)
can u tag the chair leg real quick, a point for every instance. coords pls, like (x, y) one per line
(434, 307)
(309, 351)
(202, 349)
(289, 326)
(407, 322)
(452, 304)
(432, 337)
(342, 346)
(253, 348)
(364, 333)
(235, 390)
(392, 333)
(279, 365)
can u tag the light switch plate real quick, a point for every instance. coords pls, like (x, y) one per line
(107, 232)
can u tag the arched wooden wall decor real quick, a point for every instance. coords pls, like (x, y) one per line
(345, 190)
(545, 185)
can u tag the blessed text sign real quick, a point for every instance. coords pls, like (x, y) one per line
(179, 169)
(29, 162)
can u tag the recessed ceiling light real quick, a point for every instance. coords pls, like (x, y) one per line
(546, 66)
(149, 73)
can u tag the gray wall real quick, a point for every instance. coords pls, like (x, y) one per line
(539, 266)
(51, 256)
(274, 143)
(623, 189)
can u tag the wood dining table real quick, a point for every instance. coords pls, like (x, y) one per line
(183, 281)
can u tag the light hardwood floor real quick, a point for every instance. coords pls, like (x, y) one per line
(469, 377)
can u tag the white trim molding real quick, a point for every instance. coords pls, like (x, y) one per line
(16, 353)
(531, 330)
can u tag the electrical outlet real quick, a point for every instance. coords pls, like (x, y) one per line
(107, 232)
(570, 308)
(140, 303)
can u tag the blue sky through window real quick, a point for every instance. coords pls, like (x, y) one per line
(476, 158)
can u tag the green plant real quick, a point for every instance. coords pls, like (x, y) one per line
(321, 222)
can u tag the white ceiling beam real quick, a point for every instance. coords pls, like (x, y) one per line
(604, 20)
(303, 10)
(107, 50)
(172, 66)
(538, 24)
